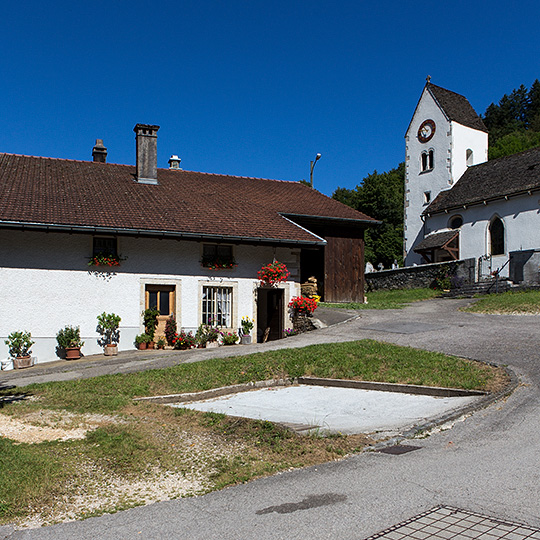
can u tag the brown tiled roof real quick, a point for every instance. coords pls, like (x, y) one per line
(82, 194)
(495, 179)
(456, 107)
(436, 240)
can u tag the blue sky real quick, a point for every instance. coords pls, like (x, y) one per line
(251, 88)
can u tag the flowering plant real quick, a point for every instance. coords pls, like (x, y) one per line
(273, 273)
(170, 330)
(103, 259)
(288, 332)
(301, 304)
(229, 338)
(184, 340)
(206, 333)
(247, 325)
(218, 263)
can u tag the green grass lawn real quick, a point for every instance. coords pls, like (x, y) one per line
(395, 299)
(508, 302)
(137, 443)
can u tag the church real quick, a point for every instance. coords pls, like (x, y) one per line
(459, 205)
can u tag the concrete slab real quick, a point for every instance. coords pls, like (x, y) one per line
(331, 410)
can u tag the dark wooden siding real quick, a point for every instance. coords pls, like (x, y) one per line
(344, 265)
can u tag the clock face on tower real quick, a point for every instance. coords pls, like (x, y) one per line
(426, 131)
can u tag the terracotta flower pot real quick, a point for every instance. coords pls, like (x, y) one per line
(150, 345)
(21, 362)
(142, 346)
(110, 350)
(73, 353)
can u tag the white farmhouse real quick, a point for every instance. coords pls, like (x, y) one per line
(458, 205)
(189, 243)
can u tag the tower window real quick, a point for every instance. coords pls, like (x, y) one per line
(496, 237)
(427, 197)
(427, 161)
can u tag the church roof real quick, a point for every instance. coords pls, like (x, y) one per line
(456, 107)
(80, 195)
(511, 175)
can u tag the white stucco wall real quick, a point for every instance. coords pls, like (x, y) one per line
(47, 284)
(521, 219)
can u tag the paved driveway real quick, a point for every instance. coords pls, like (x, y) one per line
(486, 465)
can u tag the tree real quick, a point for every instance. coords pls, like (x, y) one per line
(380, 195)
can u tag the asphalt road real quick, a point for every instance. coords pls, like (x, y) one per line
(487, 463)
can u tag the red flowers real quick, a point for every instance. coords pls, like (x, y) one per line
(302, 304)
(273, 273)
(104, 260)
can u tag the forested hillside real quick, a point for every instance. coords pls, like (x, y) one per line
(514, 126)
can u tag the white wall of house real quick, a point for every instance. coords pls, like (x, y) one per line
(47, 284)
(519, 216)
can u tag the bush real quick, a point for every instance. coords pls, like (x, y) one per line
(19, 343)
(69, 337)
(170, 330)
(184, 340)
(229, 338)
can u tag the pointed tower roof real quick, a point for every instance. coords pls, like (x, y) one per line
(456, 107)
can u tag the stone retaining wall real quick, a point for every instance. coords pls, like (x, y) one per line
(414, 277)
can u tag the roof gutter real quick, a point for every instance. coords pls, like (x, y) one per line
(177, 235)
(482, 201)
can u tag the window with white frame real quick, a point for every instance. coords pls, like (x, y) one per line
(217, 306)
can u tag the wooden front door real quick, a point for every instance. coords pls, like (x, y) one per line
(163, 298)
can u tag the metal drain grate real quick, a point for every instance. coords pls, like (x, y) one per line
(445, 522)
(399, 449)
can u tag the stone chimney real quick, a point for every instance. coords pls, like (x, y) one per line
(99, 152)
(146, 138)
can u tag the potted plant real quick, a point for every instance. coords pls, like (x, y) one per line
(69, 339)
(273, 273)
(170, 330)
(161, 343)
(19, 344)
(108, 324)
(229, 338)
(104, 259)
(184, 340)
(150, 316)
(142, 340)
(207, 336)
(247, 327)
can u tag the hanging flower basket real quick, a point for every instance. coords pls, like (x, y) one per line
(104, 260)
(273, 273)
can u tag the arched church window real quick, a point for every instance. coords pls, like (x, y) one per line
(470, 157)
(427, 160)
(455, 222)
(496, 236)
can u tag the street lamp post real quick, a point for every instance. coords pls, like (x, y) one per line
(313, 163)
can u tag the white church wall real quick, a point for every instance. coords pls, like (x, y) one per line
(464, 139)
(417, 183)
(47, 284)
(520, 216)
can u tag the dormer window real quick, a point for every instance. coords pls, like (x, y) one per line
(427, 197)
(469, 157)
(427, 161)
